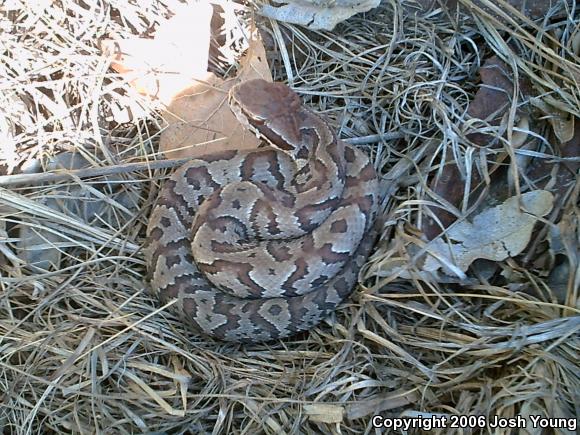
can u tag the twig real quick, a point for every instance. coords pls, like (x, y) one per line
(48, 177)
(34, 179)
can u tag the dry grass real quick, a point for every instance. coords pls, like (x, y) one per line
(86, 349)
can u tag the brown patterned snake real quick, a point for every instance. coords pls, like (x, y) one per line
(260, 244)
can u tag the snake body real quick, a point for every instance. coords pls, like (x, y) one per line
(261, 244)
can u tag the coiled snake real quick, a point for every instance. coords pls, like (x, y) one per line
(261, 244)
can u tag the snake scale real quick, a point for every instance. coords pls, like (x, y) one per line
(260, 244)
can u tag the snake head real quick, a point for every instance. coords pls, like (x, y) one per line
(272, 110)
(261, 100)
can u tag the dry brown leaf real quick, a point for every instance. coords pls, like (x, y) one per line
(163, 66)
(316, 14)
(364, 408)
(493, 98)
(495, 234)
(174, 71)
(491, 103)
(558, 176)
(324, 413)
(562, 121)
(200, 119)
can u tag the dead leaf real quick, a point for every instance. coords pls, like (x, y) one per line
(41, 247)
(316, 14)
(571, 149)
(163, 66)
(558, 176)
(324, 413)
(493, 97)
(491, 103)
(449, 186)
(495, 234)
(380, 403)
(562, 122)
(172, 69)
(200, 120)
